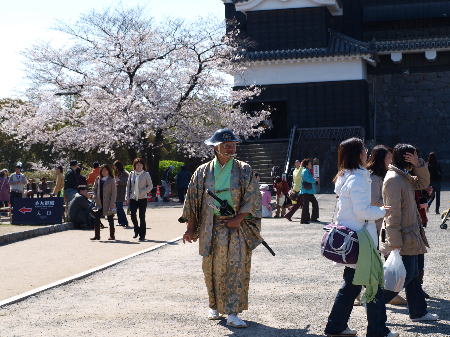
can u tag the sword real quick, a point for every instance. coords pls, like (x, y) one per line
(227, 210)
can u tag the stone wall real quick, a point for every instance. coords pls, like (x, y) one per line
(413, 108)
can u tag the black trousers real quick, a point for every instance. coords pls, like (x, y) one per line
(99, 215)
(309, 198)
(436, 195)
(15, 195)
(141, 205)
(343, 306)
(182, 194)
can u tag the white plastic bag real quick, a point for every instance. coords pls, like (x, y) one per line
(394, 272)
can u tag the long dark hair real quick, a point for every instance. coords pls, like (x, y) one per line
(305, 162)
(432, 159)
(118, 166)
(376, 162)
(398, 155)
(349, 155)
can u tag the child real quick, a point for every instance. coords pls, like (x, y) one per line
(266, 200)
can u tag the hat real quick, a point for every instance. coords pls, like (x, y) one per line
(19, 164)
(221, 136)
(82, 187)
(264, 187)
(73, 163)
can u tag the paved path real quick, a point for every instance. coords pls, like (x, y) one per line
(6, 228)
(162, 293)
(42, 260)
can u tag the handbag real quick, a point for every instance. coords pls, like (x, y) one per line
(339, 243)
(293, 195)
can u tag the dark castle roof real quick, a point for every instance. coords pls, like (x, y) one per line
(341, 45)
(416, 44)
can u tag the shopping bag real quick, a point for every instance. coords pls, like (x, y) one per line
(394, 272)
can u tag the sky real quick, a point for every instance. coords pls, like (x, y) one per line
(26, 22)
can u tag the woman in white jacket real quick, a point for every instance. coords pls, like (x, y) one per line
(353, 186)
(138, 186)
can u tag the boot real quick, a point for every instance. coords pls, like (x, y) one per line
(112, 230)
(96, 233)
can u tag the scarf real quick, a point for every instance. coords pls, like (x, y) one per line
(369, 268)
(137, 175)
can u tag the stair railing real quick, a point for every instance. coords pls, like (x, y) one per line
(290, 148)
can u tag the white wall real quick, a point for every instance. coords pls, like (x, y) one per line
(296, 72)
(261, 5)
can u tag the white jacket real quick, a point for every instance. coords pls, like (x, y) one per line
(145, 185)
(353, 208)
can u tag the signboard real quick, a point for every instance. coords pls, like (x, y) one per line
(316, 171)
(37, 211)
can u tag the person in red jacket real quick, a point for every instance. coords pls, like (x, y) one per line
(93, 174)
(281, 187)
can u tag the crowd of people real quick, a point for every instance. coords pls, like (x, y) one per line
(388, 194)
(379, 197)
(301, 191)
(290, 198)
(384, 197)
(102, 194)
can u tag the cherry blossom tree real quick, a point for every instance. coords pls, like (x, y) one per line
(127, 82)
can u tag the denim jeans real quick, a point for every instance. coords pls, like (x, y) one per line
(121, 216)
(436, 195)
(414, 295)
(343, 305)
(69, 193)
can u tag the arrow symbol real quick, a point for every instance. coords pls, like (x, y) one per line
(24, 210)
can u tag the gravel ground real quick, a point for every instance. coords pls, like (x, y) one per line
(162, 293)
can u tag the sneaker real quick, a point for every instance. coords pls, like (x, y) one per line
(346, 333)
(235, 322)
(393, 334)
(213, 315)
(427, 317)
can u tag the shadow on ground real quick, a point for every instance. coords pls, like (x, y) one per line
(257, 329)
(436, 306)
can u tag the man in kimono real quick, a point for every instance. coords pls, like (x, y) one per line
(225, 242)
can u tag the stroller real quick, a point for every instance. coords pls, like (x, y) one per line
(445, 216)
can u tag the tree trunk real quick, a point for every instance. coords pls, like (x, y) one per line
(132, 154)
(153, 157)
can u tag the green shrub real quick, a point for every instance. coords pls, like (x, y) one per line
(129, 167)
(164, 164)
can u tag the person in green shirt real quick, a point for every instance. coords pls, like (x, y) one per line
(225, 242)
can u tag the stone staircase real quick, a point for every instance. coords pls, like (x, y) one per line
(263, 155)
